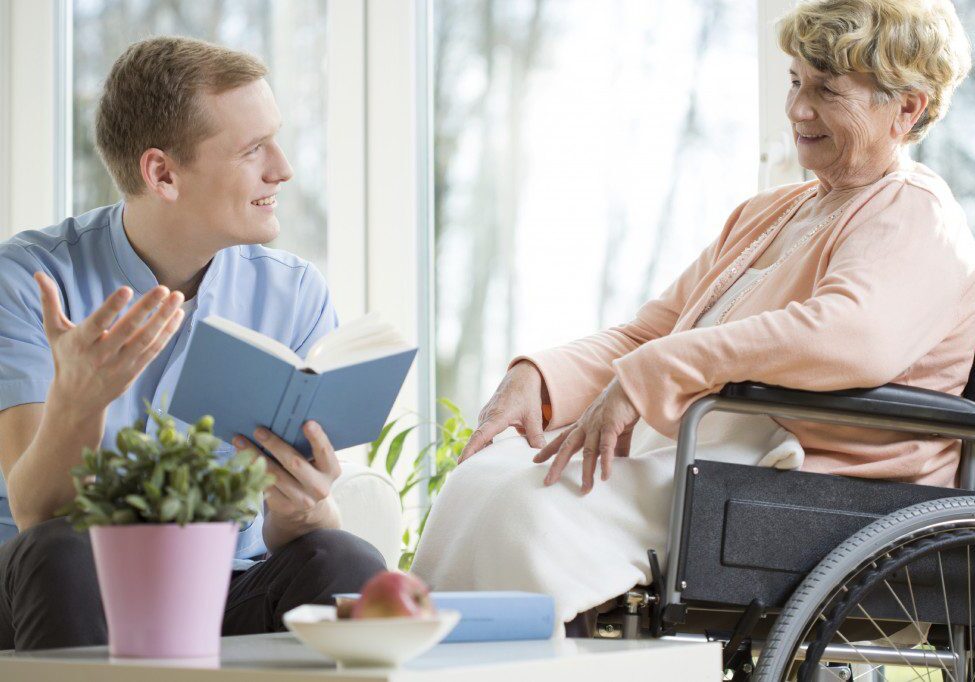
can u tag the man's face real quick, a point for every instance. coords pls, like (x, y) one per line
(229, 189)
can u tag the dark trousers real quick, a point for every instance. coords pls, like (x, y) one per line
(49, 594)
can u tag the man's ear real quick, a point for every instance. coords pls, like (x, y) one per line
(911, 106)
(159, 173)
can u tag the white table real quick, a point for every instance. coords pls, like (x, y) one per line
(280, 657)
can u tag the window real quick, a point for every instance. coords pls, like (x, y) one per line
(585, 153)
(289, 35)
(949, 148)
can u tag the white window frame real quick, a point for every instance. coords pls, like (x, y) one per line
(29, 115)
(778, 163)
(380, 236)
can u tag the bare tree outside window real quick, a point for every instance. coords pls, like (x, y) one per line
(585, 152)
(289, 35)
(949, 149)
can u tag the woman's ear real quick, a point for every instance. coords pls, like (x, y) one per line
(159, 173)
(911, 106)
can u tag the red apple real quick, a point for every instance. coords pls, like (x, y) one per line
(391, 594)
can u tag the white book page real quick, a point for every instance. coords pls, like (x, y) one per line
(256, 339)
(364, 339)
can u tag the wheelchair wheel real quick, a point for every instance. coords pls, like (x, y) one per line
(896, 593)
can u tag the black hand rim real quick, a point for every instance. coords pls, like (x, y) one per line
(868, 576)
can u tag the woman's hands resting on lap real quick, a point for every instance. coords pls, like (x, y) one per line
(602, 432)
(516, 402)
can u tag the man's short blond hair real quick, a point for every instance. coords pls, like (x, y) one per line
(152, 99)
(904, 44)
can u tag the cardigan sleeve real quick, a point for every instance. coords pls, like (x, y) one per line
(576, 372)
(890, 293)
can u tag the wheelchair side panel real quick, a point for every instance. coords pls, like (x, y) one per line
(753, 533)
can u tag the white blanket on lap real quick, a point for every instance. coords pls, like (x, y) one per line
(496, 527)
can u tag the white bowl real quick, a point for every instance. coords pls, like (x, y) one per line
(386, 642)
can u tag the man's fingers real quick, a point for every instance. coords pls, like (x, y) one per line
(569, 447)
(310, 480)
(94, 326)
(162, 338)
(481, 437)
(278, 502)
(326, 460)
(607, 447)
(549, 450)
(283, 480)
(55, 321)
(129, 327)
(149, 334)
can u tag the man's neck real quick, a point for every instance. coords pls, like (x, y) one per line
(166, 249)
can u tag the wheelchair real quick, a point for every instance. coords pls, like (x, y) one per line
(813, 577)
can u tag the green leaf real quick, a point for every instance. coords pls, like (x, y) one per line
(152, 492)
(206, 511)
(435, 483)
(423, 523)
(449, 404)
(192, 500)
(182, 479)
(409, 485)
(138, 502)
(376, 444)
(169, 509)
(124, 516)
(395, 448)
(406, 561)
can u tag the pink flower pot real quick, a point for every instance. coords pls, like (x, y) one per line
(164, 587)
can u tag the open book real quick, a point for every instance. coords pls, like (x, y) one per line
(347, 382)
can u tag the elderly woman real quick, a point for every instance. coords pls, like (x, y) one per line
(863, 276)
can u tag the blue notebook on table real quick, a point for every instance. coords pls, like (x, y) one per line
(244, 379)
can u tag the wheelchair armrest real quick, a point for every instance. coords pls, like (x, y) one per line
(892, 400)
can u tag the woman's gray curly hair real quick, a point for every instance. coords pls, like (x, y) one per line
(904, 44)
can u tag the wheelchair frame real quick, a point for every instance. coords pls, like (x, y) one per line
(891, 407)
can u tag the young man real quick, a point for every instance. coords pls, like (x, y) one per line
(187, 130)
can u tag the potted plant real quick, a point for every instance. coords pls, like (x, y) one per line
(431, 465)
(163, 514)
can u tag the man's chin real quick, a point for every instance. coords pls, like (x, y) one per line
(262, 234)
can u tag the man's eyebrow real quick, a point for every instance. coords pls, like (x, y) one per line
(259, 139)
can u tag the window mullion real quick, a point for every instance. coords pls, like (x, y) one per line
(778, 163)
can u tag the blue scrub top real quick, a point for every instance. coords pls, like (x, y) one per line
(89, 257)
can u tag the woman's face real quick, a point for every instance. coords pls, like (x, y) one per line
(842, 134)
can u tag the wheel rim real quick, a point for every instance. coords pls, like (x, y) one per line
(846, 602)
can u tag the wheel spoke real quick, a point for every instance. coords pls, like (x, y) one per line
(871, 672)
(968, 575)
(886, 637)
(910, 589)
(944, 593)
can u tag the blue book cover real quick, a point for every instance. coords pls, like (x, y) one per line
(245, 380)
(492, 616)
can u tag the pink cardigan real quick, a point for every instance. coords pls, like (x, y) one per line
(883, 294)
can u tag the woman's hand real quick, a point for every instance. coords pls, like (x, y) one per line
(603, 431)
(300, 499)
(517, 402)
(97, 360)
